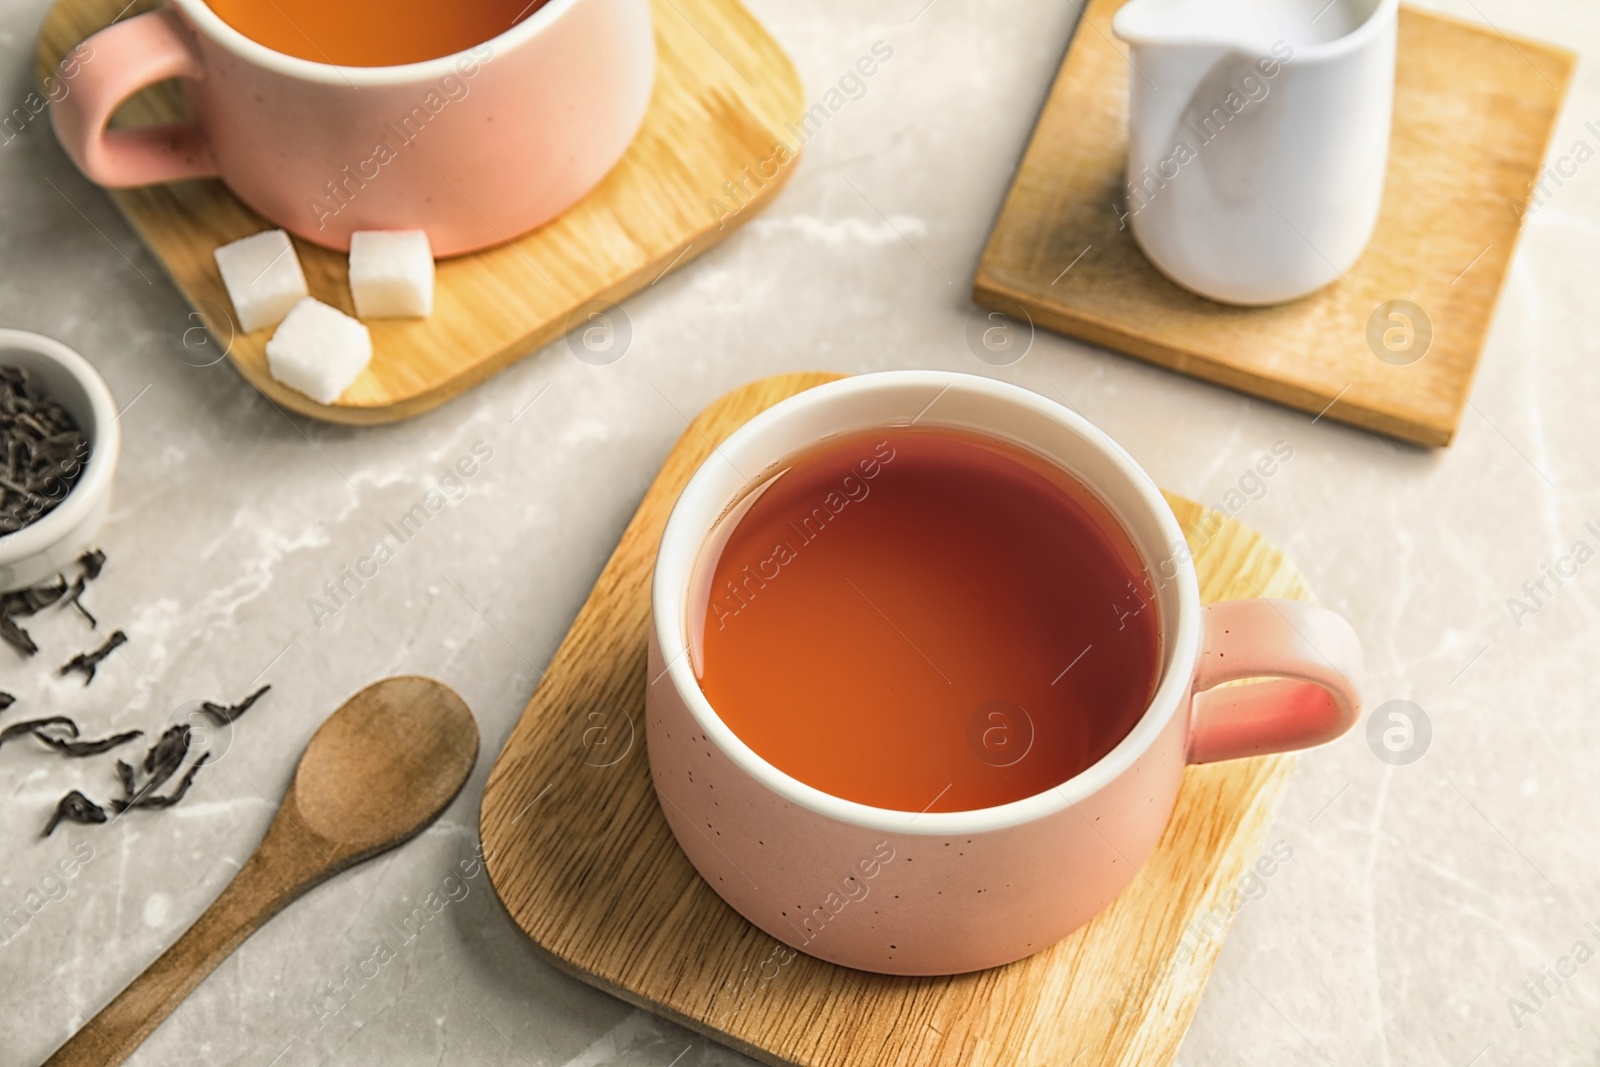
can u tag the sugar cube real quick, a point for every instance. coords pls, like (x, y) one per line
(391, 274)
(318, 350)
(263, 278)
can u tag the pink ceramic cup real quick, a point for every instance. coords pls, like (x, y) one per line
(475, 148)
(945, 892)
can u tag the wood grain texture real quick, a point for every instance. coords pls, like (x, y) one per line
(584, 861)
(1474, 112)
(724, 92)
(377, 772)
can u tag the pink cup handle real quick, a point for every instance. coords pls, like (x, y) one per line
(130, 56)
(1313, 663)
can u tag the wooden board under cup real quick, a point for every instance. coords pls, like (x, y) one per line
(724, 90)
(1474, 110)
(580, 854)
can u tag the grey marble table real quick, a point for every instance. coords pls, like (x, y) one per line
(1419, 900)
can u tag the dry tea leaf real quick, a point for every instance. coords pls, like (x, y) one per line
(16, 636)
(61, 734)
(75, 598)
(166, 755)
(72, 747)
(42, 451)
(161, 762)
(221, 715)
(25, 602)
(75, 807)
(148, 800)
(33, 726)
(92, 562)
(87, 662)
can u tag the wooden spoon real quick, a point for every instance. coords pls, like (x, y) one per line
(379, 770)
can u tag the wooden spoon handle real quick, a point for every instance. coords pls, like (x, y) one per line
(276, 874)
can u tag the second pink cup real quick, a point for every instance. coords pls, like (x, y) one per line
(475, 148)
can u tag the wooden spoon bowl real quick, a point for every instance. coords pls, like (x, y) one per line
(384, 765)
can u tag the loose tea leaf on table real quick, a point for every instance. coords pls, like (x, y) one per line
(125, 775)
(22, 603)
(75, 807)
(16, 636)
(61, 734)
(73, 747)
(221, 715)
(92, 562)
(75, 598)
(87, 662)
(34, 600)
(147, 799)
(32, 726)
(161, 762)
(25, 602)
(166, 755)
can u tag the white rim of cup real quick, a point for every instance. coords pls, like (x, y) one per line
(691, 519)
(258, 54)
(104, 445)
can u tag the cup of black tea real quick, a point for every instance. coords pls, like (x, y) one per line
(927, 663)
(59, 443)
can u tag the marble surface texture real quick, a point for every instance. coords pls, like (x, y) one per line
(1420, 898)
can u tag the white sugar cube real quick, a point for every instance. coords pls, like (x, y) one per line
(263, 278)
(391, 274)
(319, 350)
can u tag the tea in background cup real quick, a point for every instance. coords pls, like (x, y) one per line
(400, 127)
(824, 765)
(372, 33)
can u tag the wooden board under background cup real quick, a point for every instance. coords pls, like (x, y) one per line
(723, 95)
(1474, 110)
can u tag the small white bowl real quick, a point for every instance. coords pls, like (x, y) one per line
(52, 543)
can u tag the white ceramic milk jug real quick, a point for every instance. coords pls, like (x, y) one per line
(1258, 138)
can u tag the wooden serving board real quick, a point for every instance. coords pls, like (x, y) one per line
(1474, 112)
(584, 861)
(724, 90)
